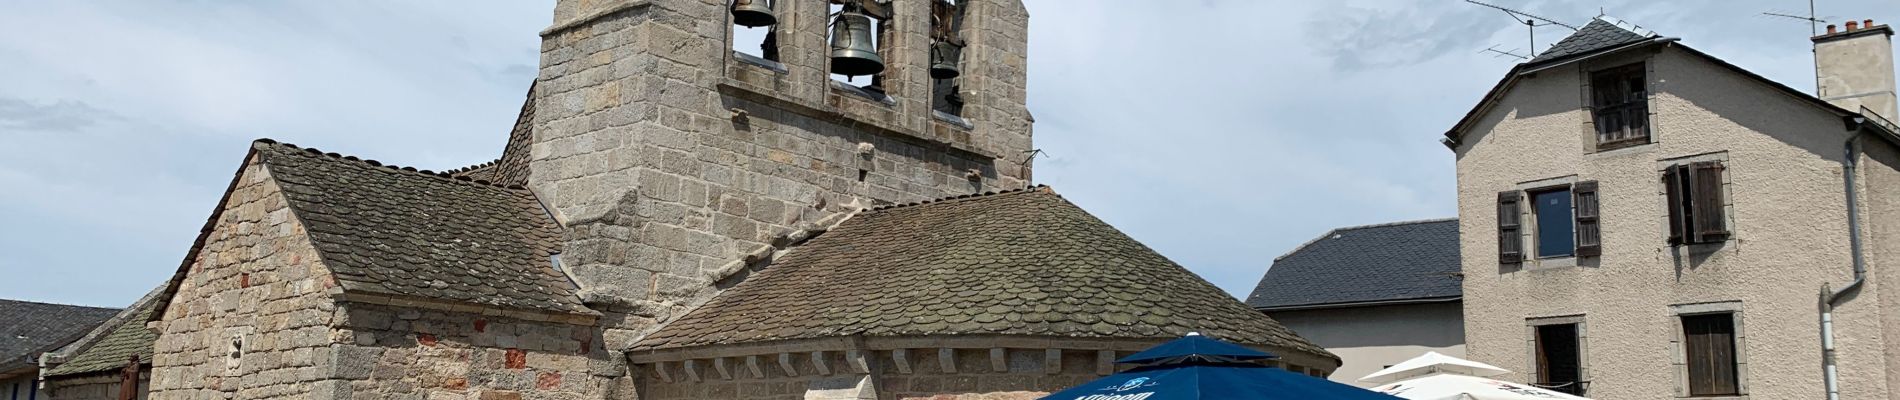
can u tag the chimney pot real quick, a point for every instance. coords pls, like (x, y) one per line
(1830, 29)
(1867, 23)
(1853, 26)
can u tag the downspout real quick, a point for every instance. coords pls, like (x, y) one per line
(1829, 297)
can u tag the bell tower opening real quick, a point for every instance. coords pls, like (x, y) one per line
(946, 55)
(755, 27)
(857, 32)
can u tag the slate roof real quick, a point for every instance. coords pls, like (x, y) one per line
(1403, 261)
(1025, 262)
(29, 328)
(109, 353)
(397, 231)
(1601, 33)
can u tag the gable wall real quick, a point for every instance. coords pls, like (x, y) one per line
(257, 279)
(1786, 206)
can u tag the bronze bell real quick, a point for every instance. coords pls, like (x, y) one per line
(943, 60)
(752, 13)
(852, 52)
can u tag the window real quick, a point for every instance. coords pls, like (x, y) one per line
(1696, 203)
(858, 30)
(1559, 358)
(1620, 106)
(1709, 350)
(1565, 219)
(1554, 223)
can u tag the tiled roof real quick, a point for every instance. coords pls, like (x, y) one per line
(1025, 262)
(29, 328)
(1601, 33)
(402, 232)
(1374, 263)
(110, 353)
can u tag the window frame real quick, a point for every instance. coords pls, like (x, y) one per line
(1738, 349)
(1537, 221)
(1536, 369)
(1633, 107)
(1686, 192)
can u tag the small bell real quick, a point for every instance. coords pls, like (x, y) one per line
(943, 60)
(852, 51)
(752, 13)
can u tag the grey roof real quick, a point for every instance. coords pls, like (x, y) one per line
(1601, 33)
(1402, 261)
(128, 338)
(400, 232)
(391, 231)
(29, 328)
(1025, 262)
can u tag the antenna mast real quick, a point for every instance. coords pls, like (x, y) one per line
(1530, 21)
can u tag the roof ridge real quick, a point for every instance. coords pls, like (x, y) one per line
(1334, 231)
(489, 163)
(992, 193)
(444, 175)
(57, 304)
(1626, 25)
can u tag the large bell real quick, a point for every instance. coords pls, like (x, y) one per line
(943, 60)
(752, 13)
(852, 52)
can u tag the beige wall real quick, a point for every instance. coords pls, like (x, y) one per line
(1787, 212)
(1368, 339)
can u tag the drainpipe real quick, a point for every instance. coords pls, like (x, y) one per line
(1829, 297)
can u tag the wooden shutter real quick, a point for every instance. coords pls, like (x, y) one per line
(1675, 178)
(1589, 237)
(1706, 202)
(1510, 238)
(1709, 346)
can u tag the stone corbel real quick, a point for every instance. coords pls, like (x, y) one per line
(900, 358)
(659, 368)
(1104, 362)
(1052, 361)
(857, 362)
(785, 362)
(719, 366)
(999, 359)
(692, 370)
(752, 365)
(947, 358)
(820, 362)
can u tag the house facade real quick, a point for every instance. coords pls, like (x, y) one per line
(671, 219)
(30, 329)
(1641, 220)
(1375, 295)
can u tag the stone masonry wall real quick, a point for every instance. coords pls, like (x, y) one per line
(668, 159)
(250, 320)
(386, 352)
(92, 387)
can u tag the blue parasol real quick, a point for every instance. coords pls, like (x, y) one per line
(1195, 367)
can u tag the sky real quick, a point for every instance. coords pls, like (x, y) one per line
(1221, 133)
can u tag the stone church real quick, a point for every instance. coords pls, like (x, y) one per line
(671, 219)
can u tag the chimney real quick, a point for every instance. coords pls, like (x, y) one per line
(1854, 68)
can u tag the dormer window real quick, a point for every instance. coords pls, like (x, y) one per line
(1620, 106)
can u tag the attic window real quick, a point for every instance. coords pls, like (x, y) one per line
(1620, 106)
(761, 41)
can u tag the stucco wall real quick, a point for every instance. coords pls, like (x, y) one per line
(91, 387)
(1368, 339)
(1788, 218)
(257, 280)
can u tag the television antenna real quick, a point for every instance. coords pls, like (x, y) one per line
(1530, 21)
(1501, 53)
(1814, 23)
